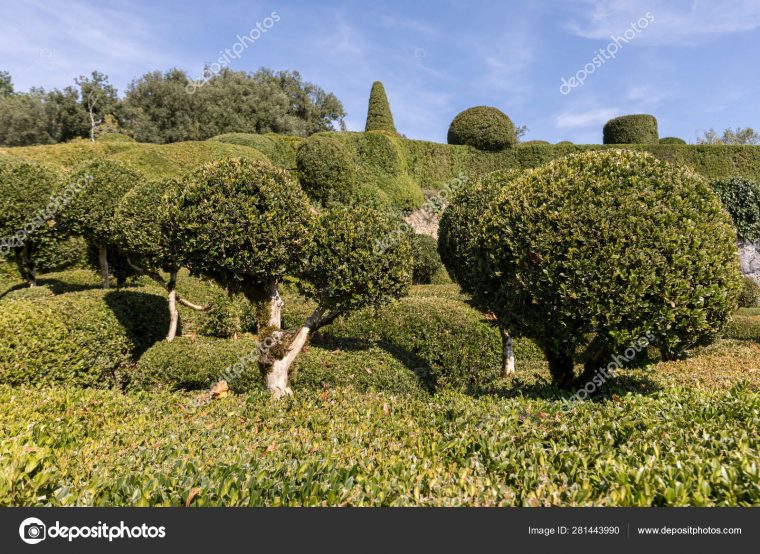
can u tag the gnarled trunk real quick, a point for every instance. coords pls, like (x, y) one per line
(103, 260)
(507, 354)
(276, 378)
(171, 287)
(275, 303)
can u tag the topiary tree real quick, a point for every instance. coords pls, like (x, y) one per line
(672, 140)
(741, 197)
(426, 261)
(631, 129)
(26, 213)
(91, 212)
(484, 128)
(598, 252)
(327, 170)
(379, 116)
(244, 224)
(147, 236)
(459, 246)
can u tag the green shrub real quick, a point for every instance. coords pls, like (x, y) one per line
(115, 137)
(741, 197)
(533, 142)
(427, 262)
(446, 342)
(282, 153)
(743, 328)
(750, 295)
(228, 315)
(672, 140)
(84, 339)
(197, 363)
(327, 170)
(564, 143)
(595, 251)
(56, 253)
(379, 116)
(631, 129)
(484, 128)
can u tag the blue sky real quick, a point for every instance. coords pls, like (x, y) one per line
(694, 65)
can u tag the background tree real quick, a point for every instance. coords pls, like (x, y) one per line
(91, 213)
(379, 116)
(98, 98)
(742, 135)
(6, 84)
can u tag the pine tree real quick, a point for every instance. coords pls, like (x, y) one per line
(379, 116)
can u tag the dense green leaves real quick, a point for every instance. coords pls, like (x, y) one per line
(483, 127)
(631, 129)
(427, 262)
(741, 197)
(326, 169)
(379, 116)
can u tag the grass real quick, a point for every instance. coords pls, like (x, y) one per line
(364, 429)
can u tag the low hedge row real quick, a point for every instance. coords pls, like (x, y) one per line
(676, 447)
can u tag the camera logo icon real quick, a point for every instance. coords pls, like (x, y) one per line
(32, 530)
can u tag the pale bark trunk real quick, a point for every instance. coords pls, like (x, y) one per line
(103, 259)
(277, 377)
(507, 355)
(173, 312)
(275, 307)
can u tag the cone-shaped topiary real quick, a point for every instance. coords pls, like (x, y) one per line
(484, 128)
(379, 116)
(631, 129)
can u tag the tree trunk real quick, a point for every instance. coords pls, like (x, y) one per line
(561, 369)
(507, 354)
(26, 267)
(275, 307)
(103, 259)
(173, 312)
(276, 378)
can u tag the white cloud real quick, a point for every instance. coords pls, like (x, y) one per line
(595, 117)
(675, 21)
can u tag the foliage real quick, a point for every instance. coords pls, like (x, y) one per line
(242, 223)
(653, 255)
(750, 295)
(115, 137)
(427, 262)
(229, 315)
(379, 116)
(281, 152)
(672, 140)
(631, 129)
(326, 169)
(484, 128)
(745, 135)
(356, 258)
(85, 338)
(741, 197)
(101, 186)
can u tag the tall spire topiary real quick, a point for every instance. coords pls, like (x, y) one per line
(379, 116)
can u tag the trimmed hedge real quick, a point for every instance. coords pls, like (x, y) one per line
(741, 197)
(379, 116)
(282, 153)
(631, 129)
(446, 342)
(427, 262)
(85, 339)
(483, 127)
(672, 140)
(750, 295)
(326, 169)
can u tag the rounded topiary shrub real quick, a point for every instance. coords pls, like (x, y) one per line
(741, 197)
(327, 170)
(534, 142)
(672, 140)
(750, 295)
(597, 251)
(427, 262)
(484, 128)
(197, 363)
(631, 129)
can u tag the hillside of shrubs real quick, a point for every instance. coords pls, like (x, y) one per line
(249, 320)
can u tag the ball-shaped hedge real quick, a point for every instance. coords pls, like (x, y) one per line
(741, 197)
(598, 250)
(243, 223)
(631, 129)
(27, 206)
(427, 261)
(672, 140)
(484, 128)
(750, 295)
(101, 184)
(357, 257)
(327, 170)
